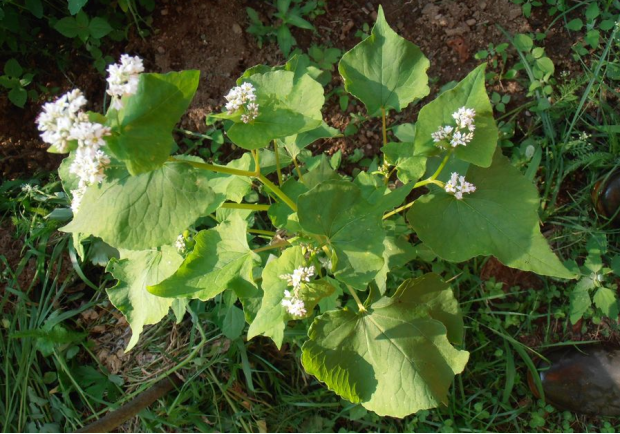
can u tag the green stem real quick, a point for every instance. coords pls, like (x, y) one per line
(389, 175)
(256, 162)
(360, 305)
(442, 165)
(287, 200)
(275, 150)
(252, 206)
(410, 204)
(301, 178)
(272, 246)
(262, 232)
(230, 171)
(384, 126)
(397, 210)
(428, 181)
(214, 168)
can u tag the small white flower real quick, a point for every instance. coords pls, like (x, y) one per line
(462, 134)
(27, 188)
(457, 186)
(179, 244)
(89, 134)
(243, 96)
(326, 263)
(292, 300)
(464, 117)
(89, 165)
(77, 198)
(123, 79)
(58, 118)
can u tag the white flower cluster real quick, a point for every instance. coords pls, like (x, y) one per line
(58, 119)
(457, 186)
(62, 121)
(292, 301)
(243, 96)
(123, 78)
(464, 131)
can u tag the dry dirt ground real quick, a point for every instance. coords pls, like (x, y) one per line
(210, 36)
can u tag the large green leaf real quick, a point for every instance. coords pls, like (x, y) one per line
(144, 211)
(272, 317)
(470, 93)
(396, 357)
(136, 271)
(219, 256)
(337, 212)
(500, 218)
(385, 70)
(143, 128)
(288, 105)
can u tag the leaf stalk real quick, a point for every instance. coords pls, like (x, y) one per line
(252, 206)
(360, 305)
(276, 152)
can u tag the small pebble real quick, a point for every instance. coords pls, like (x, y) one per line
(164, 12)
(236, 28)
(470, 22)
(161, 50)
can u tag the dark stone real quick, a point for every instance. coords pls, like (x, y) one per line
(584, 379)
(606, 197)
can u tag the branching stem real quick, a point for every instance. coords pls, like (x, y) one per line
(360, 305)
(301, 178)
(252, 206)
(275, 150)
(230, 171)
(272, 246)
(442, 165)
(384, 126)
(287, 200)
(256, 162)
(262, 232)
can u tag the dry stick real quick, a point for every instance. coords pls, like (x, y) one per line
(116, 418)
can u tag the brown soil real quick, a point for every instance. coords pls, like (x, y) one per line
(211, 37)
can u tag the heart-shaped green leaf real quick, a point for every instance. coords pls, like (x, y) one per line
(385, 71)
(288, 105)
(219, 256)
(500, 218)
(143, 128)
(147, 210)
(470, 93)
(396, 357)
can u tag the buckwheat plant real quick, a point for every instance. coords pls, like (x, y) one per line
(334, 239)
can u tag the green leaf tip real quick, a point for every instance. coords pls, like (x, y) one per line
(385, 71)
(500, 218)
